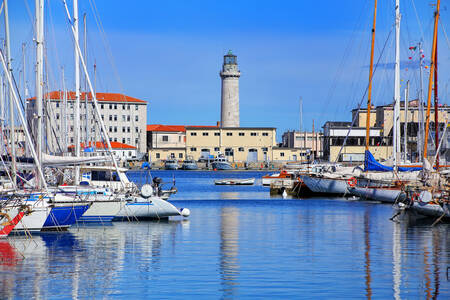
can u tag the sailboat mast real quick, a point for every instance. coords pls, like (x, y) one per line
(405, 130)
(420, 108)
(39, 78)
(12, 134)
(430, 81)
(369, 92)
(396, 131)
(77, 90)
(436, 108)
(86, 109)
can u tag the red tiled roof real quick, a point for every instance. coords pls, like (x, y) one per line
(102, 145)
(172, 128)
(102, 97)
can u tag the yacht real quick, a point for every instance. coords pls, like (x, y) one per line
(221, 163)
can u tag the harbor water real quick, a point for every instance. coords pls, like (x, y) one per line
(239, 242)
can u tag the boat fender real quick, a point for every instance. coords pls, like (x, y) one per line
(352, 182)
(185, 212)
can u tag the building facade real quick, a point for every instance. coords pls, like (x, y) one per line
(125, 119)
(309, 142)
(230, 91)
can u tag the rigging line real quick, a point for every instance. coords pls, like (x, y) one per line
(445, 33)
(106, 45)
(364, 95)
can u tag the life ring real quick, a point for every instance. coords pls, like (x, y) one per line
(352, 182)
(415, 197)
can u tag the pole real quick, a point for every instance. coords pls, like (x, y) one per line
(405, 130)
(12, 133)
(369, 92)
(77, 91)
(430, 81)
(436, 108)
(39, 78)
(396, 132)
(85, 85)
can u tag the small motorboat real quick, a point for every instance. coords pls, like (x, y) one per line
(189, 164)
(171, 164)
(268, 179)
(221, 163)
(235, 181)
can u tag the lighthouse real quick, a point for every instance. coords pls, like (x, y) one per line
(230, 91)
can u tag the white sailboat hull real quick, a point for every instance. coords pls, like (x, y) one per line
(326, 185)
(377, 194)
(34, 221)
(151, 208)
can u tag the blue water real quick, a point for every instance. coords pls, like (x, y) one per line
(238, 243)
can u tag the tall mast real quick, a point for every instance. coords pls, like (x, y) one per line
(39, 77)
(86, 109)
(12, 134)
(64, 114)
(430, 81)
(405, 130)
(24, 74)
(369, 92)
(421, 114)
(77, 90)
(396, 131)
(436, 109)
(301, 114)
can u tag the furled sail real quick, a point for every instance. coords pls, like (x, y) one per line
(371, 164)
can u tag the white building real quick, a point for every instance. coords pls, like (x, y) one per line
(125, 119)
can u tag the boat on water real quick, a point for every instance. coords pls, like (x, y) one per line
(235, 181)
(269, 178)
(221, 163)
(189, 164)
(171, 164)
(10, 216)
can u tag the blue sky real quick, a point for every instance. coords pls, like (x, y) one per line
(170, 53)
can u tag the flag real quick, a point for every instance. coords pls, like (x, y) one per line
(413, 48)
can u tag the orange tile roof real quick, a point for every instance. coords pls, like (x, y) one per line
(102, 145)
(102, 97)
(173, 128)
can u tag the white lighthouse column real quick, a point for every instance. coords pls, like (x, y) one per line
(230, 91)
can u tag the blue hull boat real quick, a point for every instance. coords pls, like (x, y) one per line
(61, 217)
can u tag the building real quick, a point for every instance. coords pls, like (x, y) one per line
(309, 142)
(230, 91)
(120, 151)
(166, 141)
(381, 131)
(125, 119)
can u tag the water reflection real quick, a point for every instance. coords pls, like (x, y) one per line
(9, 259)
(229, 195)
(229, 250)
(396, 259)
(368, 276)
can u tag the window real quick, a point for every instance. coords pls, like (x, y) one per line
(137, 118)
(128, 106)
(165, 138)
(136, 107)
(115, 106)
(253, 133)
(265, 134)
(57, 104)
(110, 106)
(71, 139)
(110, 128)
(205, 134)
(193, 149)
(110, 117)
(71, 116)
(128, 140)
(216, 149)
(128, 118)
(172, 155)
(281, 154)
(216, 133)
(102, 106)
(123, 140)
(180, 155)
(57, 116)
(115, 128)
(128, 129)
(229, 152)
(193, 133)
(264, 149)
(241, 134)
(124, 118)
(123, 106)
(241, 149)
(103, 117)
(137, 129)
(115, 139)
(157, 155)
(71, 128)
(115, 117)
(123, 129)
(136, 142)
(229, 134)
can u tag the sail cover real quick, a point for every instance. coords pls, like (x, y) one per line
(52, 160)
(371, 164)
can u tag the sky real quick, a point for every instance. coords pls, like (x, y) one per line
(170, 53)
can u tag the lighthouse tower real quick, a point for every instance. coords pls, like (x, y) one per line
(230, 91)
